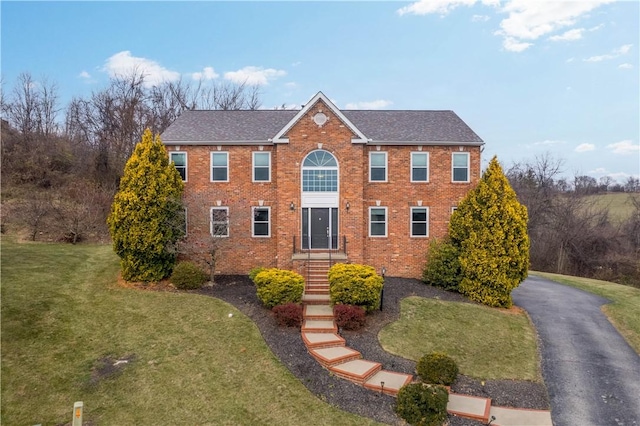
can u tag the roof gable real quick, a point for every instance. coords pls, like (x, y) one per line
(280, 137)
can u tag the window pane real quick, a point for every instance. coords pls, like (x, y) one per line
(378, 229)
(419, 159)
(460, 175)
(460, 160)
(378, 215)
(179, 159)
(419, 229)
(419, 174)
(220, 159)
(378, 159)
(419, 215)
(261, 215)
(261, 229)
(261, 159)
(220, 173)
(261, 173)
(378, 174)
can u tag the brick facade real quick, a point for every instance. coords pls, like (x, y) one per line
(401, 254)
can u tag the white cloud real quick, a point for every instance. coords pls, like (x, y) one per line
(85, 75)
(480, 18)
(208, 73)
(585, 147)
(624, 147)
(549, 142)
(425, 7)
(377, 104)
(625, 66)
(598, 171)
(512, 45)
(254, 75)
(596, 28)
(568, 61)
(123, 64)
(571, 35)
(615, 53)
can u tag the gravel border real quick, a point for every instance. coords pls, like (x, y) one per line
(287, 345)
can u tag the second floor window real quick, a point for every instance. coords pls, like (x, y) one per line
(460, 167)
(220, 167)
(261, 166)
(378, 166)
(419, 167)
(179, 159)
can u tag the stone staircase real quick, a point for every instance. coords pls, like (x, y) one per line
(320, 336)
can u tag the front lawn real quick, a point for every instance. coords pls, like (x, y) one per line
(487, 343)
(183, 359)
(624, 309)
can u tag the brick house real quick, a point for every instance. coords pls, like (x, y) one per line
(278, 187)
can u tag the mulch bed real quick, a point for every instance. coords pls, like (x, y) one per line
(287, 345)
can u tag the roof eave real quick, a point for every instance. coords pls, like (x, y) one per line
(432, 143)
(247, 142)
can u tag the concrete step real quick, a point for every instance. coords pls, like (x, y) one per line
(316, 299)
(358, 371)
(388, 382)
(520, 417)
(319, 326)
(322, 340)
(317, 312)
(329, 357)
(471, 407)
(316, 290)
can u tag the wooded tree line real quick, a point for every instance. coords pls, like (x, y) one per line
(61, 165)
(569, 232)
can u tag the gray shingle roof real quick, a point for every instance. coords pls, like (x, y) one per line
(389, 126)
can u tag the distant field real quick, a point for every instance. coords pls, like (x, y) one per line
(619, 204)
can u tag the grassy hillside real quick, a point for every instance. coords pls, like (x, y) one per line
(618, 203)
(182, 359)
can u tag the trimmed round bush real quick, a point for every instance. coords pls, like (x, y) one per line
(353, 284)
(279, 286)
(349, 317)
(443, 267)
(187, 276)
(437, 368)
(422, 404)
(288, 315)
(255, 271)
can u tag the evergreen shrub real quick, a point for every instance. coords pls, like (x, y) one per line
(437, 368)
(187, 276)
(421, 404)
(353, 284)
(443, 267)
(279, 286)
(255, 271)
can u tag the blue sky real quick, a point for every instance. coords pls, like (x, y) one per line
(530, 77)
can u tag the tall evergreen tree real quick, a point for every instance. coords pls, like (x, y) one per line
(490, 229)
(146, 219)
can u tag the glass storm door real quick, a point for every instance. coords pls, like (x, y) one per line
(320, 228)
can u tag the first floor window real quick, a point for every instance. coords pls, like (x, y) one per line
(179, 159)
(377, 221)
(220, 221)
(419, 221)
(419, 167)
(220, 167)
(460, 166)
(261, 223)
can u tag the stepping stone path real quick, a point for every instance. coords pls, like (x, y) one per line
(320, 335)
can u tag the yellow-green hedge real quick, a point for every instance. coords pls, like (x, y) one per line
(278, 286)
(352, 284)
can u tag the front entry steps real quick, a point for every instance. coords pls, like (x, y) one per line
(320, 336)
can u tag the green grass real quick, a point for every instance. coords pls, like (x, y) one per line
(623, 312)
(618, 203)
(62, 313)
(486, 343)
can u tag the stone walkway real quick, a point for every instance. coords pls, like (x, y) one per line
(320, 335)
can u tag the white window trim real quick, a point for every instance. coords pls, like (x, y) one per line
(411, 168)
(186, 163)
(211, 222)
(453, 209)
(386, 222)
(468, 167)
(253, 222)
(211, 166)
(411, 222)
(386, 166)
(253, 167)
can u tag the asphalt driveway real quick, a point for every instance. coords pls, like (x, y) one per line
(591, 373)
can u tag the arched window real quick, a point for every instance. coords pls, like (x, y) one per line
(320, 172)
